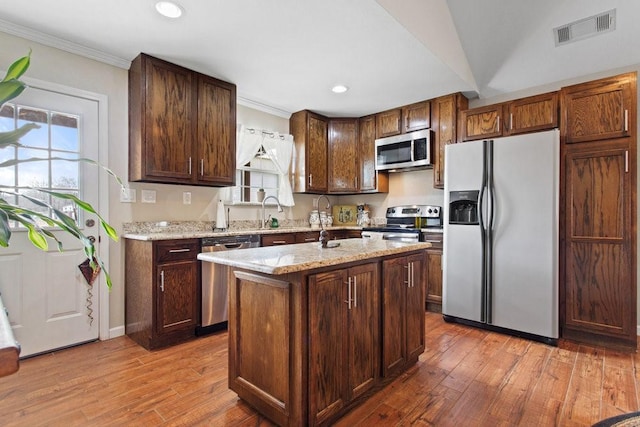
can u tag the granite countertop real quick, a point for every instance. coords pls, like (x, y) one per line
(306, 256)
(166, 230)
(197, 234)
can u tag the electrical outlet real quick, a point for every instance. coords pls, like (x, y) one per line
(186, 198)
(128, 195)
(148, 196)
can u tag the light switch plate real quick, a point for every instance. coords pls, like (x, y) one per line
(128, 195)
(148, 196)
(186, 198)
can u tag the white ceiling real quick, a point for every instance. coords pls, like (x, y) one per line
(286, 54)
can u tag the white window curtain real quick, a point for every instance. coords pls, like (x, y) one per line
(279, 148)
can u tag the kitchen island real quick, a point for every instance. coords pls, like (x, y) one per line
(315, 331)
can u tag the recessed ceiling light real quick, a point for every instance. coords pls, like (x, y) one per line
(339, 89)
(169, 9)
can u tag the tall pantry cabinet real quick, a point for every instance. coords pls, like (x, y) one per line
(598, 212)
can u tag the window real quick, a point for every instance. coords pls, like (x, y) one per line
(57, 138)
(259, 173)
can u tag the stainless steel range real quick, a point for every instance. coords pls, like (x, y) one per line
(407, 223)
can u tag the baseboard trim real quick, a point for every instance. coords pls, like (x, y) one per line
(118, 331)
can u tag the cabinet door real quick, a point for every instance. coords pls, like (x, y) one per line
(600, 291)
(394, 285)
(599, 110)
(416, 116)
(169, 122)
(434, 280)
(367, 153)
(317, 154)
(444, 123)
(389, 123)
(177, 301)
(327, 337)
(481, 123)
(363, 329)
(417, 275)
(216, 135)
(532, 114)
(343, 156)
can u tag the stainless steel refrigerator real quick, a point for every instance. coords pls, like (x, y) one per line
(500, 259)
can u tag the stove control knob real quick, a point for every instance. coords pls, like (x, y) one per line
(429, 210)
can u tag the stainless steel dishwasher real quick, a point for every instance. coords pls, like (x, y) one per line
(214, 314)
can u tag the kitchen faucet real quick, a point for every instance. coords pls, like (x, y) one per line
(328, 203)
(264, 221)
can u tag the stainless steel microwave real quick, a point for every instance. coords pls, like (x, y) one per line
(406, 151)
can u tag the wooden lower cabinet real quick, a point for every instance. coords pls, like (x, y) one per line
(343, 338)
(306, 347)
(434, 280)
(162, 285)
(403, 283)
(599, 269)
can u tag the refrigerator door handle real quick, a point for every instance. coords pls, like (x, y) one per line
(483, 233)
(488, 249)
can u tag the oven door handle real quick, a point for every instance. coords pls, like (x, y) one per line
(401, 236)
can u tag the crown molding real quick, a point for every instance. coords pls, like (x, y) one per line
(263, 107)
(62, 44)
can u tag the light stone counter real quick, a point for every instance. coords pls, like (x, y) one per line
(195, 230)
(307, 256)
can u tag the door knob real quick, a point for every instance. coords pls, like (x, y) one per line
(92, 239)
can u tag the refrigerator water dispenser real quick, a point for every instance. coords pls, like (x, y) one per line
(463, 207)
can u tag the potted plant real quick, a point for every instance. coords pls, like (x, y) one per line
(39, 235)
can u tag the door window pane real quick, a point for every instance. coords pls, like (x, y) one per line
(58, 137)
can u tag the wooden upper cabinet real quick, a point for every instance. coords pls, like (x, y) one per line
(370, 180)
(481, 122)
(389, 123)
(445, 127)
(216, 131)
(599, 110)
(532, 114)
(310, 133)
(181, 125)
(416, 116)
(343, 156)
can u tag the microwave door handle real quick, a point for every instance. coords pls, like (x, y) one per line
(413, 150)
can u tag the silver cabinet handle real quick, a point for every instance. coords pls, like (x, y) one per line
(201, 167)
(162, 280)
(355, 292)
(413, 284)
(408, 282)
(626, 161)
(189, 165)
(279, 242)
(175, 251)
(511, 121)
(626, 120)
(498, 124)
(348, 301)
(310, 180)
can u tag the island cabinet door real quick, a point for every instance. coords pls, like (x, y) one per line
(327, 351)
(403, 281)
(363, 331)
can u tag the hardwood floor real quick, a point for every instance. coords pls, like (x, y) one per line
(466, 377)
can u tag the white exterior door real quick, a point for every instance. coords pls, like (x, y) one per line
(50, 303)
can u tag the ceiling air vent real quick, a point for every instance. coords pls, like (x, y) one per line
(587, 27)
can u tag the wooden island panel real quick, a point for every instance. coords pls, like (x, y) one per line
(299, 352)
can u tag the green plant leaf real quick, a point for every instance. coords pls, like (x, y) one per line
(18, 68)
(10, 89)
(37, 238)
(5, 230)
(12, 137)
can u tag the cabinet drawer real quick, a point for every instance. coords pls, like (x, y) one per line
(308, 236)
(278, 239)
(177, 250)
